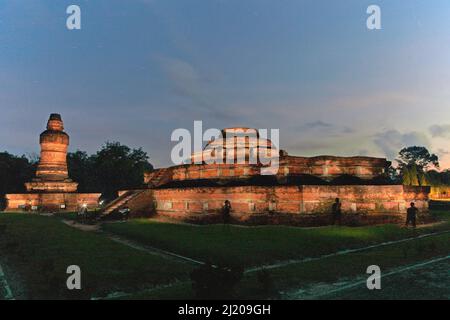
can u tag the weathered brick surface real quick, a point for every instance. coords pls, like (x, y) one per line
(324, 167)
(306, 201)
(142, 204)
(51, 201)
(299, 205)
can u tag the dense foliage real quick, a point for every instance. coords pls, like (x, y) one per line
(14, 172)
(114, 167)
(417, 167)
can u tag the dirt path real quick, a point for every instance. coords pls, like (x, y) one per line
(152, 250)
(80, 226)
(132, 244)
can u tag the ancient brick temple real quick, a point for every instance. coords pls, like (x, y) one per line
(301, 191)
(52, 189)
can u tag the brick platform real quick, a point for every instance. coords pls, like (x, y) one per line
(301, 192)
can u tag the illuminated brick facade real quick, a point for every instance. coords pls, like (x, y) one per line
(301, 192)
(52, 189)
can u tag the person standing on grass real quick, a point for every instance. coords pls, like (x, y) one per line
(226, 209)
(411, 214)
(336, 211)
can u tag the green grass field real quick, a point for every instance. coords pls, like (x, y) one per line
(38, 250)
(35, 252)
(253, 246)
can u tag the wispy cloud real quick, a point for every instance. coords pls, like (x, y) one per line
(385, 99)
(199, 90)
(440, 130)
(323, 128)
(317, 124)
(392, 141)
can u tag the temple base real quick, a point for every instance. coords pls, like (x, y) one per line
(51, 201)
(51, 186)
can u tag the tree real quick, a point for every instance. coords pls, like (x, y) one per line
(393, 174)
(418, 156)
(413, 162)
(414, 175)
(423, 179)
(80, 168)
(445, 177)
(406, 177)
(434, 177)
(117, 167)
(14, 172)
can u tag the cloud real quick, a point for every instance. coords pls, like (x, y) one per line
(442, 152)
(378, 99)
(392, 141)
(317, 124)
(363, 152)
(184, 78)
(200, 91)
(324, 128)
(440, 130)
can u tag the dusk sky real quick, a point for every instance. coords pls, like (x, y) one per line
(139, 69)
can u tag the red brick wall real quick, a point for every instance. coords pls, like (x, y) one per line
(52, 201)
(293, 200)
(326, 167)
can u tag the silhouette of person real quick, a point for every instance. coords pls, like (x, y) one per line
(336, 211)
(226, 209)
(81, 216)
(126, 213)
(411, 215)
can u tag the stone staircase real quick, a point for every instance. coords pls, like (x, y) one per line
(155, 179)
(120, 201)
(160, 177)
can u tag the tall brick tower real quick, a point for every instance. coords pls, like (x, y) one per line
(51, 173)
(52, 189)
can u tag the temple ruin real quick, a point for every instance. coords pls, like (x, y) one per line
(52, 189)
(300, 192)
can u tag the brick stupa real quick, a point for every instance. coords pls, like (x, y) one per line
(52, 189)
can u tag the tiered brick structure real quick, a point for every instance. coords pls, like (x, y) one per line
(52, 189)
(301, 192)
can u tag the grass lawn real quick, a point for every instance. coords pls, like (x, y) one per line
(37, 250)
(296, 277)
(315, 279)
(252, 246)
(426, 282)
